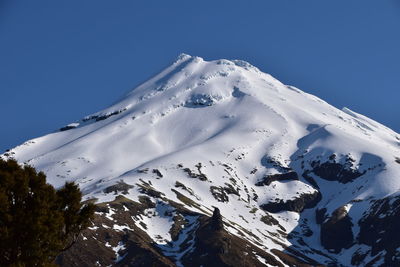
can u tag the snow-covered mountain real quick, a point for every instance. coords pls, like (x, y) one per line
(215, 163)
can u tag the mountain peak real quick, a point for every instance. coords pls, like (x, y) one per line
(183, 57)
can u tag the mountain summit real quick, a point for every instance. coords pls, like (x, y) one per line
(289, 179)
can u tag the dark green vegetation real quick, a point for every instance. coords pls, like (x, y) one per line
(37, 222)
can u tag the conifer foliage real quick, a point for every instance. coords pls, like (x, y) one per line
(37, 222)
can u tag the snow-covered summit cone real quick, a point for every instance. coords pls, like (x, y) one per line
(224, 134)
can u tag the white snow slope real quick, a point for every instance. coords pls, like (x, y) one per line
(234, 120)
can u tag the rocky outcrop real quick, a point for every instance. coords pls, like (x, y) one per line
(103, 116)
(320, 215)
(97, 245)
(221, 193)
(215, 247)
(199, 175)
(66, 128)
(298, 204)
(336, 231)
(379, 230)
(216, 222)
(335, 171)
(268, 179)
(116, 239)
(158, 173)
(119, 187)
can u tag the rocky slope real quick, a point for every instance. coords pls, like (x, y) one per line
(219, 164)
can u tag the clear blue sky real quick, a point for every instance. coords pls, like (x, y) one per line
(62, 60)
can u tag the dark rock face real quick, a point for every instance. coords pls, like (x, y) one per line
(216, 220)
(333, 171)
(268, 162)
(158, 173)
(201, 176)
(94, 245)
(147, 189)
(379, 230)
(336, 232)
(219, 194)
(187, 189)
(66, 128)
(119, 187)
(269, 220)
(292, 261)
(106, 116)
(212, 244)
(304, 201)
(218, 248)
(103, 117)
(358, 257)
(320, 215)
(116, 239)
(268, 179)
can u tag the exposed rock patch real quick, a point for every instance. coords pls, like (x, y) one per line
(221, 193)
(103, 116)
(97, 245)
(268, 179)
(69, 127)
(115, 240)
(298, 204)
(187, 189)
(379, 230)
(119, 187)
(334, 171)
(216, 223)
(158, 173)
(201, 176)
(215, 247)
(320, 215)
(146, 188)
(336, 231)
(201, 100)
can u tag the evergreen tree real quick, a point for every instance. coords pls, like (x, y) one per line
(37, 222)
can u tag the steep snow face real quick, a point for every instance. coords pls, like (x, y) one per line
(218, 127)
(195, 106)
